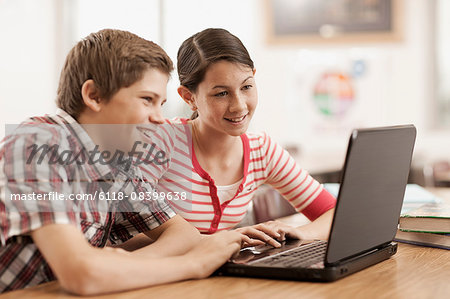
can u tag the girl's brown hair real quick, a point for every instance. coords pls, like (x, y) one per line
(204, 48)
(112, 59)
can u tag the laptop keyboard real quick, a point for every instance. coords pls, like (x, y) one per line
(303, 256)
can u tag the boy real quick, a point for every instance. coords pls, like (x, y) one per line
(50, 164)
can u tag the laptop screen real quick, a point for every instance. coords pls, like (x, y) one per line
(372, 188)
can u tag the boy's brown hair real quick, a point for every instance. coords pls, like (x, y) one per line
(112, 59)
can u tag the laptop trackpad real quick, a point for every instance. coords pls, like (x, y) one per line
(249, 255)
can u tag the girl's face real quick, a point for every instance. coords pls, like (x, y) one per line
(226, 98)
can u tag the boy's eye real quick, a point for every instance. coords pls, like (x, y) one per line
(247, 87)
(221, 94)
(148, 99)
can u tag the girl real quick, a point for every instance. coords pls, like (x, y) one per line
(226, 164)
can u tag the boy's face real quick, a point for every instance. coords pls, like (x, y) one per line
(140, 103)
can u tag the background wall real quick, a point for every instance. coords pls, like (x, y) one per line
(28, 74)
(396, 86)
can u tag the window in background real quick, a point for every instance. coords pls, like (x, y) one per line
(443, 63)
(334, 21)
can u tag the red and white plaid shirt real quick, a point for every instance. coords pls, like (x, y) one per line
(21, 263)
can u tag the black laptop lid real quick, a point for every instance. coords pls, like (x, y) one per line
(372, 189)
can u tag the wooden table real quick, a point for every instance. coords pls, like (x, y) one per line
(414, 272)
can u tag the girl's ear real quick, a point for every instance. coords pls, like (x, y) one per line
(187, 96)
(254, 72)
(89, 93)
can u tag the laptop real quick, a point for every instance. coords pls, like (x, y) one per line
(365, 220)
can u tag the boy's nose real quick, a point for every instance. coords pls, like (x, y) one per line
(156, 117)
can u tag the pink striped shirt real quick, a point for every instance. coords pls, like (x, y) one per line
(265, 162)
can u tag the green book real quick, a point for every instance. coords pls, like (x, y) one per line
(432, 218)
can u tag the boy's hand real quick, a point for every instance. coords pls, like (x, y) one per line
(214, 250)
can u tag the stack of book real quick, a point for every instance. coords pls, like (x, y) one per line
(428, 225)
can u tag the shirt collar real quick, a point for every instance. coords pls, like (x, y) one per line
(75, 129)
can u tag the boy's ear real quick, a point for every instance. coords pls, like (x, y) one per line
(89, 93)
(187, 96)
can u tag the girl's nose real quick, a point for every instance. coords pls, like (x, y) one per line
(238, 104)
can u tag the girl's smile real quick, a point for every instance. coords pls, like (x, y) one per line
(236, 120)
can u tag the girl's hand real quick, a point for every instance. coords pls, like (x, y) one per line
(271, 233)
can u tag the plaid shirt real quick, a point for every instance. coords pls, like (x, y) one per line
(21, 263)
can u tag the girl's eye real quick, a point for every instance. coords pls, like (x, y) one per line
(148, 99)
(247, 87)
(221, 94)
